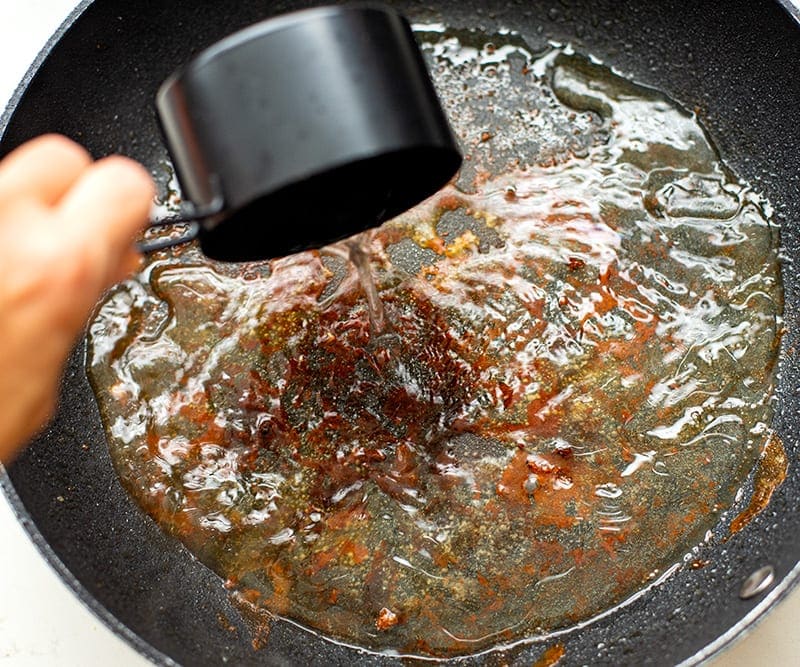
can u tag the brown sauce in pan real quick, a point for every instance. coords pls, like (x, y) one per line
(769, 475)
(565, 380)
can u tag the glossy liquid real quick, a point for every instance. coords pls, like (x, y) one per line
(360, 259)
(564, 380)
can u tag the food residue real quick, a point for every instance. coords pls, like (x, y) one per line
(551, 657)
(769, 475)
(544, 383)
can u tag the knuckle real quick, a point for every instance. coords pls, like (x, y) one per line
(62, 148)
(128, 174)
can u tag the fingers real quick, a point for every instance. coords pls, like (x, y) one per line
(66, 232)
(43, 169)
(103, 211)
(131, 262)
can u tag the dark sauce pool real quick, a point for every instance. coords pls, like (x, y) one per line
(565, 381)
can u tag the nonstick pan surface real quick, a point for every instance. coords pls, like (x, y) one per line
(735, 62)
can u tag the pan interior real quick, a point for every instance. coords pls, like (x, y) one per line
(733, 65)
(562, 381)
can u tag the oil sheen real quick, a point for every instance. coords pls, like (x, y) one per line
(559, 375)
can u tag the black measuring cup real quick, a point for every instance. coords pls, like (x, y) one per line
(302, 130)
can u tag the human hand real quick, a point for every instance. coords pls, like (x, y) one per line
(66, 234)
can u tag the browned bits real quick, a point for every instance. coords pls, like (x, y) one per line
(770, 474)
(564, 449)
(551, 656)
(509, 427)
(386, 619)
(562, 481)
(225, 624)
(575, 263)
(539, 464)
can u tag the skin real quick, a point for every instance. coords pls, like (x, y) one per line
(67, 225)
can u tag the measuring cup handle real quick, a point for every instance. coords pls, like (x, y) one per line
(192, 219)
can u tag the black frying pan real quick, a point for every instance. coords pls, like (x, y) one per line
(736, 62)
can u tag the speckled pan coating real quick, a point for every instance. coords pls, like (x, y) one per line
(736, 63)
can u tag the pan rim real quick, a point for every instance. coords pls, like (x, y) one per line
(747, 623)
(41, 56)
(744, 626)
(89, 602)
(7, 488)
(716, 647)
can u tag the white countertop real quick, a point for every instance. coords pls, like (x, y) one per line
(41, 622)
